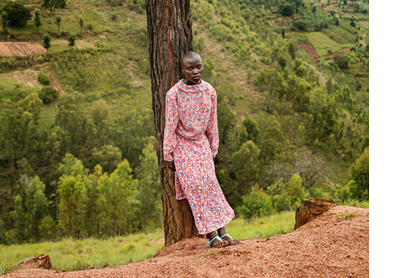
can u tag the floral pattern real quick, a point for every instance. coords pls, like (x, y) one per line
(191, 141)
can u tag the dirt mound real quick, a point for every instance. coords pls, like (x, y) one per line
(333, 244)
(20, 49)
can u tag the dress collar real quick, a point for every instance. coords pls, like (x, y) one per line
(191, 88)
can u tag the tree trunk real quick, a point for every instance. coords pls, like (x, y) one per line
(170, 33)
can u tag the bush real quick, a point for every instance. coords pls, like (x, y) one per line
(342, 61)
(288, 10)
(18, 14)
(48, 94)
(256, 204)
(43, 78)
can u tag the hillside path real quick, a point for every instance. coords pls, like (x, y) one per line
(333, 244)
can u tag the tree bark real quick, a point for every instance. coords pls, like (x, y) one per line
(169, 26)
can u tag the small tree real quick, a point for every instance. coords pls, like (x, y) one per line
(71, 40)
(46, 42)
(256, 204)
(52, 5)
(337, 21)
(81, 23)
(37, 20)
(283, 33)
(58, 21)
(4, 22)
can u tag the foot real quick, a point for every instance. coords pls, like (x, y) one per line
(227, 238)
(217, 242)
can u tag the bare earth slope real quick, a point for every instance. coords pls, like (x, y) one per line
(333, 244)
(11, 49)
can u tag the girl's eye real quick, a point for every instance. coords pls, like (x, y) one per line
(189, 68)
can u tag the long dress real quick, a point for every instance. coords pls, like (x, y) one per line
(191, 141)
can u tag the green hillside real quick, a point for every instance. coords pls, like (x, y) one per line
(77, 146)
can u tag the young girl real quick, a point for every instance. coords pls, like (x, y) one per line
(190, 146)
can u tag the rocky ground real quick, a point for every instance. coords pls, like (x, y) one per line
(333, 244)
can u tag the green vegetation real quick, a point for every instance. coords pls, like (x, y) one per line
(83, 151)
(17, 14)
(345, 216)
(71, 255)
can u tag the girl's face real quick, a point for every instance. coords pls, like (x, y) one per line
(192, 68)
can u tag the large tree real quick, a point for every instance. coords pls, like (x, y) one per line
(170, 32)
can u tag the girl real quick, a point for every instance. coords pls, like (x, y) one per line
(190, 146)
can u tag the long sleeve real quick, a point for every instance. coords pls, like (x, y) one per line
(212, 128)
(171, 122)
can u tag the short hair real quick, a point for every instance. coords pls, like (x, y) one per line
(189, 54)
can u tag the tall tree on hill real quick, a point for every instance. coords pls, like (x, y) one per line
(58, 21)
(46, 42)
(38, 20)
(170, 32)
(52, 5)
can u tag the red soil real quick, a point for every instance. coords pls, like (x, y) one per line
(333, 244)
(20, 49)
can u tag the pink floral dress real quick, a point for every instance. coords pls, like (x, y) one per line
(191, 141)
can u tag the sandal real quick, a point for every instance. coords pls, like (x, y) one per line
(217, 238)
(232, 240)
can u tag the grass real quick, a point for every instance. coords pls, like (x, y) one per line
(280, 223)
(73, 255)
(344, 216)
(323, 44)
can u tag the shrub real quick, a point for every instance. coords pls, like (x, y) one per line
(43, 78)
(342, 61)
(17, 14)
(48, 94)
(288, 10)
(256, 204)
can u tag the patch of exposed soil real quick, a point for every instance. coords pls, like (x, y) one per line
(20, 49)
(309, 48)
(333, 244)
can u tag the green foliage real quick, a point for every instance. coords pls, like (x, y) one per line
(43, 78)
(149, 186)
(71, 40)
(58, 22)
(359, 172)
(46, 42)
(287, 196)
(17, 14)
(107, 156)
(52, 5)
(256, 204)
(341, 60)
(4, 21)
(245, 165)
(37, 20)
(81, 23)
(288, 10)
(48, 94)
